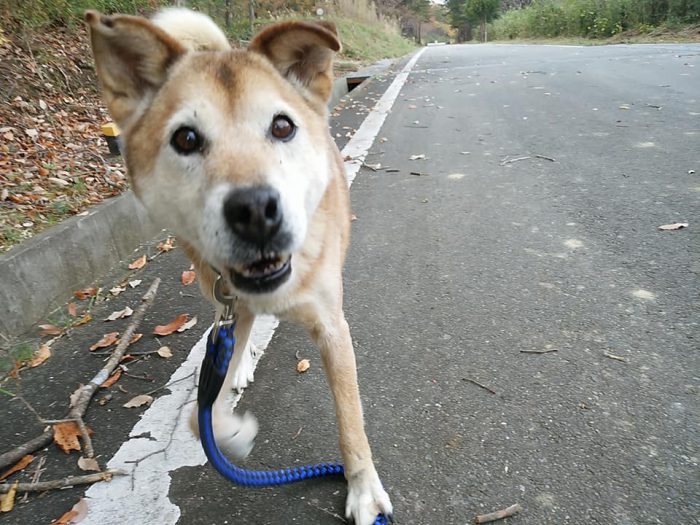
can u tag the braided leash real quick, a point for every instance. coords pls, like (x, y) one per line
(220, 345)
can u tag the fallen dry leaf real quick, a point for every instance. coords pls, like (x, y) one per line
(84, 319)
(112, 379)
(41, 355)
(417, 157)
(75, 515)
(107, 340)
(50, 329)
(172, 326)
(166, 246)
(138, 263)
(134, 338)
(674, 226)
(140, 400)
(189, 324)
(89, 464)
(85, 293)
(65, 435)
(20, 465)
(165, 352)
(188, 277)
(117, 290)
(7, 501)
(72, 310)
(303, 366)
(120, 314)
(135, 282)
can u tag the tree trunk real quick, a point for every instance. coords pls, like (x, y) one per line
(251, 16)
(418, 36)
(486, 32)
(227, 14)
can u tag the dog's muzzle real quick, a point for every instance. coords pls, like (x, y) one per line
(254, 215)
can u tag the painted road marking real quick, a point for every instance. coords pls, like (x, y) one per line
(161, 442)
(363, 139)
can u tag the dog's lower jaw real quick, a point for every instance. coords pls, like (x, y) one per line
(366, 498)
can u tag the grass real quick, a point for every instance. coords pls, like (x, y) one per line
(9, 357)
(369, 43)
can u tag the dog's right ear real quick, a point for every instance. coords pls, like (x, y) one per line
(132, 57)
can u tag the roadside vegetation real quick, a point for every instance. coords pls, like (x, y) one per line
(595, 20)
(54, 162)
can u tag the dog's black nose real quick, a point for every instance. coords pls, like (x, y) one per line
(254, 214)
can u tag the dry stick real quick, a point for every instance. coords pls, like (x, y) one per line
(538, 351)
(499, 514)
(479, 385)
(511, 161)
(37, 474)
(70, 481)
(13, 456)
(87, 391)
(545, 157)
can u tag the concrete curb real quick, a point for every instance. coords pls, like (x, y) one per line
(43, 272)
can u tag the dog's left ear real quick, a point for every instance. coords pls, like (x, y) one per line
(303, 53)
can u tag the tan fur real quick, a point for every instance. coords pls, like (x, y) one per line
(148, 79)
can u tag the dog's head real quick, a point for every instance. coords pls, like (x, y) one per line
(229, 148)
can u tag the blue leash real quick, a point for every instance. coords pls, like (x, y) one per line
(220, 345)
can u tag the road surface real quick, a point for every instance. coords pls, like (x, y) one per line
(524, 332)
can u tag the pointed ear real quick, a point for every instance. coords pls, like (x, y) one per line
(132, 57)
(303, 53)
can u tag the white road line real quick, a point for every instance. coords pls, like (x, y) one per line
(163, 435)
(362, 140)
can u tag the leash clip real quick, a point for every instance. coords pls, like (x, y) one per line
(227, 313)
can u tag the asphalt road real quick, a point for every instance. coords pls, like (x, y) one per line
(532, 226)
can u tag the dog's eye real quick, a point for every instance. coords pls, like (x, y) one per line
(282, 128)
(186, 141)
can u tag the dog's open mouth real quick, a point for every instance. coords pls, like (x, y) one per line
(262, 275)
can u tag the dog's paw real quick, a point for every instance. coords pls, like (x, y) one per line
(366, 499)
(245, 368)
(234, 434)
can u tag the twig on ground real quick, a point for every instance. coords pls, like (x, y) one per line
(70, 481)
(13, 456)
(38, 471)
(330, 513)
(498, 515)
(615, 357)
(545, 351)
(479, 385)
(511, 161)
(545, 157)
(166, 385)
(85, 393)
(506, 160)
(298, 433)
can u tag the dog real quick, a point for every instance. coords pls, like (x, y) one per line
(230, 149)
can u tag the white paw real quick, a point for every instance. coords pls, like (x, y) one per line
(366, 499)
(242, 376)
(234, 434)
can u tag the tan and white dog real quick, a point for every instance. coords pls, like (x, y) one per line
(230, 148)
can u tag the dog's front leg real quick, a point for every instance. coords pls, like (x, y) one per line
(366, 496)
(233, 433)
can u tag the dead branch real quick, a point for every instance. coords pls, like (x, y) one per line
(498, 515)
(545, 351)
(70, 481)
(87, 391)
(77, 411)
(545, 157)
(479, 385)
(511, 161)
(615, 357)
(13, 456)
